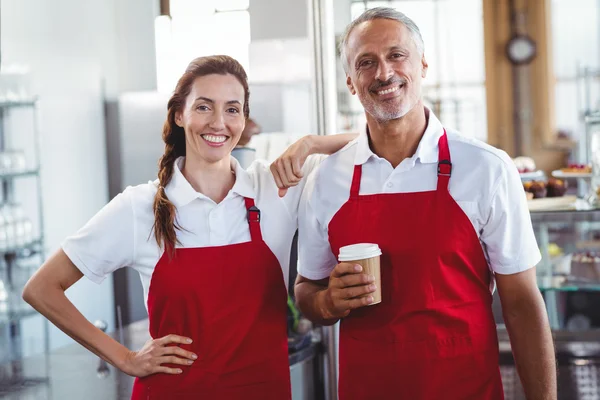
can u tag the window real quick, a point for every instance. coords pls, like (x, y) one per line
(454, 48)
(575, 47)
(200, 28)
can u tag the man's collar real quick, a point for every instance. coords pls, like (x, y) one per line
(427, 151)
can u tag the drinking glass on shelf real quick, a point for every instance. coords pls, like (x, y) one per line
(27, 231)
(18, 161)
(18, 219)
(5, 162)
(15, 83)
(9, 226)
(12, 161)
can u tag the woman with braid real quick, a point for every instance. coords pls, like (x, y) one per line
(211, 243)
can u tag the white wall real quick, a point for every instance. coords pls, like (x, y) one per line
(282, 66)
(278, 19)
(342, 15)
(79, 53)
(136, 54)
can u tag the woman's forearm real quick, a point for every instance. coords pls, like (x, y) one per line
(56, 307)
(45, 291)
(329, 144)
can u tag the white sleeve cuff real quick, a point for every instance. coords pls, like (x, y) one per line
(313, 275)
(518, 265)
(75, 259)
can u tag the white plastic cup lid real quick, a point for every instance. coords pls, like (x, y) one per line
(359, 251)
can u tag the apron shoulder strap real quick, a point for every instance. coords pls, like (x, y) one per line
(253, 219)
(444, 164)
(355, 188)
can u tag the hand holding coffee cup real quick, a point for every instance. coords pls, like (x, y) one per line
(356, 281)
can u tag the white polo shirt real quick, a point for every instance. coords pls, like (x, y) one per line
(485, 183)
(120, 234)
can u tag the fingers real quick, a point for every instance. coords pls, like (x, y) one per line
(178, 351)
(283, 170)
(290, 175)
(173, 339)
(167, 370)
(282, 192)
(173, 360)
(353, 280)
(345, 300)
(297, 167)
(349, 288)
(359, 302)
(357, 291)
(287, 172)
(276, 176)
(345, 268)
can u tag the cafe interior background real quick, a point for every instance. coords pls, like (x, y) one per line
(83, 91)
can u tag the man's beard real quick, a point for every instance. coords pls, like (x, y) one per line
(378, 110)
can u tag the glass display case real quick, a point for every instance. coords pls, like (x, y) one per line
(569, 240)
(569, 278)
(570, 244)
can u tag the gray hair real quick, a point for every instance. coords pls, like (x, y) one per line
(381, 13)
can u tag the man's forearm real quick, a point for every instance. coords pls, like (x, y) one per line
(310, 298)
(533, 349)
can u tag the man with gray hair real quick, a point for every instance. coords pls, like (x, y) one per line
(451, 219)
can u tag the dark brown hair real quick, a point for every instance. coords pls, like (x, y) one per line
(165, 223)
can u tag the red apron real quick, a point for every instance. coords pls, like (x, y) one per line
(433, 336)
(231, 300)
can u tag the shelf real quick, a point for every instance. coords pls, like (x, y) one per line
(593, 119)
(16, 385)
(16, 315)
(25, 250)
(12, 175)
(571, 288)
(566, 216)
(560, 285)
(17, 104)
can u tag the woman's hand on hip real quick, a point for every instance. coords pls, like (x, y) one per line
(156, 352)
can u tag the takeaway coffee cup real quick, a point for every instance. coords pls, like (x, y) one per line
(367, 255)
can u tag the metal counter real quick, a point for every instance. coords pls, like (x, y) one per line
(74, 373)
(578, 359)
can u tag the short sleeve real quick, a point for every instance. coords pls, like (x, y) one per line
(106, 242)
(508, 234)
(315, 258)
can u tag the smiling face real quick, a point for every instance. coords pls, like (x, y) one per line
(385, 68)
(212, 117)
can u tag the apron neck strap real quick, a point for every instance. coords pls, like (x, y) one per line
(253, 219)
(355, 188)
(444, 163)
(444, 169)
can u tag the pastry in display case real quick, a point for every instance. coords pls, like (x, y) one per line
(557, 187)
(585, 266)
(525, 164)
(527, 168)
(541, 189)
(574, 171)
(577, 168)
(549, 195)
